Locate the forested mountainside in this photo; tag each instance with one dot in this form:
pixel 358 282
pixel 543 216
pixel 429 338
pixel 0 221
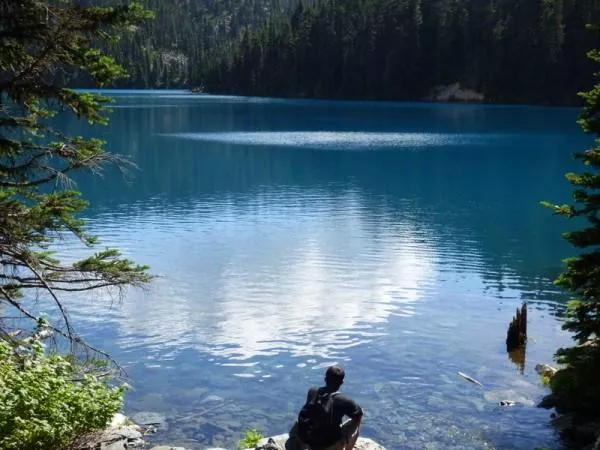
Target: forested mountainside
pixel 170 50
pixel 520 51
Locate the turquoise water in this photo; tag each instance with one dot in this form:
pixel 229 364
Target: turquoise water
pixel 396 239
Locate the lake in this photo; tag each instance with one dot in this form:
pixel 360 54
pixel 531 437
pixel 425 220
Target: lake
pixel 396 239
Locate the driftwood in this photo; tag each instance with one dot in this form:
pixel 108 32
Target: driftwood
pixel 471 379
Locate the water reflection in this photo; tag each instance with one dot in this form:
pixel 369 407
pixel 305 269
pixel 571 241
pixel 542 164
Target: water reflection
pixel 518 356
pixel 312 271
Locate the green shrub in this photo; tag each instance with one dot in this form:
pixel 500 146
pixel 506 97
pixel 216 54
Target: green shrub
pixel 577 385
pixel 251 439
pixel 45 403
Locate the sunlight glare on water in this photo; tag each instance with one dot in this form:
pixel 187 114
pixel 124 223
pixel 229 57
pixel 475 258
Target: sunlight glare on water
pixel 337 140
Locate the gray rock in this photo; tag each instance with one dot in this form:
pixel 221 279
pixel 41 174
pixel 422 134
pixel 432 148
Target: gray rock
pixel 119 420
pixel 110 437
pixel 168 447
pixel 549 401
pixel 212 399
pixel 563 422
pixel 517 395
pixel 115 445
pixel 281 439
pixel 121 438
pixel 151 418
pixel 545 370
pixel 129 433
pixel 136 444
pixel 588 431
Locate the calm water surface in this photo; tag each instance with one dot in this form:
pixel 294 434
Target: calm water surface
pixel 396 239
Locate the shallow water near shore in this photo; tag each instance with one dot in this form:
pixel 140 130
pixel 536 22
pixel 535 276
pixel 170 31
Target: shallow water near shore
pixel 395 239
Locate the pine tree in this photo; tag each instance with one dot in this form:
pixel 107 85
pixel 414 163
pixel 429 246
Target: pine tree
pixel 42 43
pixel 578 384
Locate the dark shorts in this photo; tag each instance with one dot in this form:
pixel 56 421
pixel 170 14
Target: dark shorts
pixel 349 432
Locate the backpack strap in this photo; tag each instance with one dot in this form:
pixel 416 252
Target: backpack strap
pixel 330 400
pixel 318 395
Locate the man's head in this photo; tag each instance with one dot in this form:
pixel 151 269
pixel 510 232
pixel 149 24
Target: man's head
pixel 334 377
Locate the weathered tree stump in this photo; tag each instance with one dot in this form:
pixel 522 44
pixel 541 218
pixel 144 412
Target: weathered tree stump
pixel 516 337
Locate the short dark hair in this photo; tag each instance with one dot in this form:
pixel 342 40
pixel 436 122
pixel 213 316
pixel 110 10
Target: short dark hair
pixel 335 376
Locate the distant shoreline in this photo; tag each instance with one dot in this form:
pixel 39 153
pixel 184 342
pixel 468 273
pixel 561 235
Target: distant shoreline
pixel 425 101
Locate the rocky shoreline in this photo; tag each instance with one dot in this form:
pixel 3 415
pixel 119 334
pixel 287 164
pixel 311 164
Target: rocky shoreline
pixel 583 433
pixel 124 434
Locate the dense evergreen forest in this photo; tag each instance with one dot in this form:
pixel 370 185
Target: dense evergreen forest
pixel 530 51
pixel 510 50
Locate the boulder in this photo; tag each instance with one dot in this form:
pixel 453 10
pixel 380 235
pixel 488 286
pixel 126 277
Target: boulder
pixel 545 370
pixel 549 401
pixel 119 420
pixel 454 92
pixel 151 418
pixel 120 438
pixel 120 434
pixel 563 422
pixel 167 447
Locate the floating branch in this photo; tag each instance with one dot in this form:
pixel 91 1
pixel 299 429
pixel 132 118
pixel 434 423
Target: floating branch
pixel 471 379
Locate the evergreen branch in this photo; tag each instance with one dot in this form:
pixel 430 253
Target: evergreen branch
pixel 92 163
pixel 66 289
pixel 58 303
pixel 73 339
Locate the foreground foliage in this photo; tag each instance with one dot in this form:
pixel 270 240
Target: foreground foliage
pixel 46 400
pixel 251 439
pixel 578 384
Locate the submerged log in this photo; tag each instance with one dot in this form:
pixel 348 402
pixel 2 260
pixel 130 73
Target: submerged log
pixel 516 337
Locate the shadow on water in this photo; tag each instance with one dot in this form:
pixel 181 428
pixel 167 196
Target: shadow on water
pixel 290 235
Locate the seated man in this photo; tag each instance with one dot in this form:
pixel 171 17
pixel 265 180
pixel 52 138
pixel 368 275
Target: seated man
pixel 319 425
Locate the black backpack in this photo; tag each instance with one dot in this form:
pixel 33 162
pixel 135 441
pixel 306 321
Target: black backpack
pixel 315 420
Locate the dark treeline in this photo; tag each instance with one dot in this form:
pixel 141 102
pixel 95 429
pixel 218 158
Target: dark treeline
pixel 511 50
